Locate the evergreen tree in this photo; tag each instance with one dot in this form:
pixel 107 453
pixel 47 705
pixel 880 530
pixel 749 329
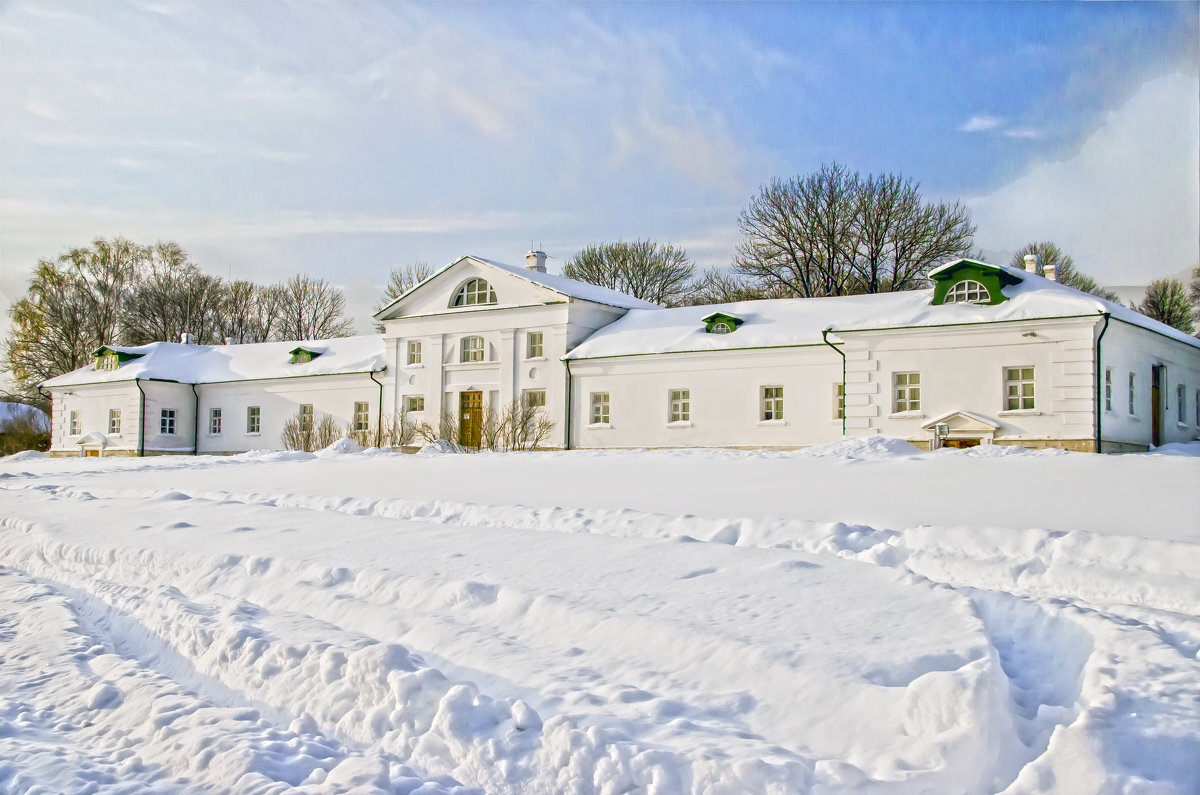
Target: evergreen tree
pixel 1167 302
pixel 1065 271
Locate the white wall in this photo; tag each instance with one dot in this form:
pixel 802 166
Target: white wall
pixel 725 391
pixel 1130 349
pixel 94 402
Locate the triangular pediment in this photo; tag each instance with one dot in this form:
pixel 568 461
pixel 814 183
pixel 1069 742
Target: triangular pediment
pixel 436 294
pixel 963 421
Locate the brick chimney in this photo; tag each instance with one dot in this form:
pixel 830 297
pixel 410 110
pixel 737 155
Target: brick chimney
pixel 536 261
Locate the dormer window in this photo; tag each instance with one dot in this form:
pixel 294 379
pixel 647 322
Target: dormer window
pixel 110 358
pixel 303 355
pixel 473 293
pixel 721 323
pixel 968 291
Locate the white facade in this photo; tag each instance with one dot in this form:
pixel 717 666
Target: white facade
pixel 1019 359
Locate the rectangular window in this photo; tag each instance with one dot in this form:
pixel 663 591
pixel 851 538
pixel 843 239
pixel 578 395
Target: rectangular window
pixel 907 391
pixel 74 423
pixel 114 421
pixel 680 409
pixel 772 403
pixel 472 349
pixel 214 422
pixel 166 422
pixel 414 403
pixel 1132 401
pixel 1198 407
pixel 534 398
pixel 535 345
pixel 1108 389
pixel 414 352
pixel 253 419
pixel 1018 388
pixel 362 416
pixel 600 414
pixel 1181 404
pixel 839 401
pixel 306 418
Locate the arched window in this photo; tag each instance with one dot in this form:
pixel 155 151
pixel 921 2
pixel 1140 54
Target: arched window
pixel 475 291
pixel 472 349
pixel 968 291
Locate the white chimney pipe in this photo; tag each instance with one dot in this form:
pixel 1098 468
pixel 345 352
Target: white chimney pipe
pixel 536 261
pixel 1050 272
pixel 1031 262
pixel 187 338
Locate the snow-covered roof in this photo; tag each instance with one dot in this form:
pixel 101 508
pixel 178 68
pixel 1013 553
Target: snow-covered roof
pixel 800 321
pixel 206 364
pixel 559 284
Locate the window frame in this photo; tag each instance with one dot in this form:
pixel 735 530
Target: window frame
pixel 527 394
pixel 362 415
pixel 114 422
pixel 770 406
pixel 720 327
pixel 1021 381
pixel 906 395
pixel 467 355
pixel 215 421
pixel 1181 408
pixel 956 296
pixel 1132 393
pixel 601 408
pixel 167 422
pixel 306 417
pixel 679 406
pixel 535 345
pixel 468 294
pixel 414 404
pixel 1108 390
pixel 73 423
pixel 414 353
pixel 839 400
pixel 253 420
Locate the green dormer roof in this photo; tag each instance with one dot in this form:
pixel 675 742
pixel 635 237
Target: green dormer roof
pixel 993 277
pixel 711 323
pixel 122 356
pixel 303 355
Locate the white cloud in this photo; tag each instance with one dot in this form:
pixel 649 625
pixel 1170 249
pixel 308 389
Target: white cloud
pixel 1023 132
pixel 980 123
pixel 1127 205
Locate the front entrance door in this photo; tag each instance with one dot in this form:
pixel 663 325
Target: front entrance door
pixel 1156 387
pixel 960 444
pixel 470 418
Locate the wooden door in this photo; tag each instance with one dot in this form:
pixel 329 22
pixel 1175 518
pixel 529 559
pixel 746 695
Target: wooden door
pixel 960 444
pixel 91 453
pixel 470 418
pixel 1156 387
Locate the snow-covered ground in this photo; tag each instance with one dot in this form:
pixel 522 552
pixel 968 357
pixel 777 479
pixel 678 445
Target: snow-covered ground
pixel 860 617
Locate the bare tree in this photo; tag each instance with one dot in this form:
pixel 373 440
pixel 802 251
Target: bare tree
pixel 400 281
pixel 1167 302
pixel 716 286
pixel 1065 270
pixel 655 272
pixel 835 233
pixel 247 311
pixel 173 296
pixel 25 428
pixel 1194 296
pixel 310 309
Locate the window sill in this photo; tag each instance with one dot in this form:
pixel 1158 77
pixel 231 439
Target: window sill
pixel 1134 418
pixel 413 366
pixel 772 423
pixel 468 365
pixel 256 433
pixel 1182 425
pixel 907 415
pixel 535 358
pixel 680 424
pixel 1018 413
pixel 599 426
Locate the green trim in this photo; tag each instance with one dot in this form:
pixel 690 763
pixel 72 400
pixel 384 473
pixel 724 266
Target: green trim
pixel 714 350
pixel 304 355
pixel 202 383
pixel 711 321
pixel 991 277
pixel 478 308
pixel 1096 315
pixel 123 356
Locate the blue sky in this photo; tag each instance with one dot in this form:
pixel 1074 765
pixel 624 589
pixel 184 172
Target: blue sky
pixel 343 139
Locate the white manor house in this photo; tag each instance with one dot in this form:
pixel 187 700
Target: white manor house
pixel 989 355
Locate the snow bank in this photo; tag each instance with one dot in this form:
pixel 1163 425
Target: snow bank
pixel 1174 448
pixel 23 456
pixel 866 447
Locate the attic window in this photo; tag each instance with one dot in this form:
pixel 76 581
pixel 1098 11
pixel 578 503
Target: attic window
pixel 474 292
pixel 303 355
pixel 720 323
pixel 968 291
pixel 108 361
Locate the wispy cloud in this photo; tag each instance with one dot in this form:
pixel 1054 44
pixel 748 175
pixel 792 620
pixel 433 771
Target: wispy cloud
pixel 980 123
pixel 1023 132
